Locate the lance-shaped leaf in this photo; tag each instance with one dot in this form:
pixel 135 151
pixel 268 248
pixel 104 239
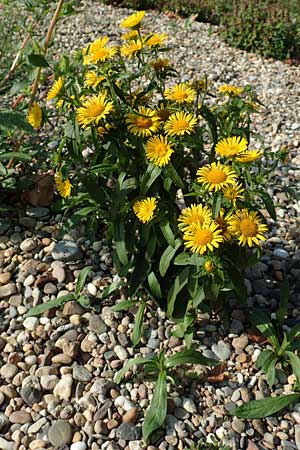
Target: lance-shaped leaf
pixel 40 309
pixel 167 257
pixel 179 283
pixel 157 411
pixel 124 305
pixel 127 366
pixel 82 279
pixel 37 60
pixel 154 285
pixel 258 409
pixel 149 177
pixel 168 233
pixel 119 238
pixel 138 325
pixel 190 356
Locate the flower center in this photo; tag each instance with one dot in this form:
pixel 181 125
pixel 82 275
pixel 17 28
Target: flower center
pixel 232 149
pixel 161 149
pixel 209 266
pixel 216 176
pixel 180 125
pixel 100 53
pixel 95 110
pixel 180 95
pixel 248 228
pixel 143 122
pixel 203 237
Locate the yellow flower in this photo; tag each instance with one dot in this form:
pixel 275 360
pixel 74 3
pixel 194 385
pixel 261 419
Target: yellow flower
pixel 232 193
pixel 93 110
pixel 160 64
pixel 132 34
pixel 159 150
pixel 144 209
pixel 132 48
pixel 231 146
pixel 133 21
pixel 216 176
pixel 180 123
pixel 34 116
pixel 56 88
pixel 63 186
pixel 96 45
pixel 92 79
pixel 181 93
pixel 103 130
pixel 194 214
pixel 102 54
pixel 223 222
pixel 230 90
pixel 246 226
pixel 249 156
pixel 155 40
pixel 144 122
pixel 209 266
pixel 201 238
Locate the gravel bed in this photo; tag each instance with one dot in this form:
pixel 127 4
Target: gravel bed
pixel 57 388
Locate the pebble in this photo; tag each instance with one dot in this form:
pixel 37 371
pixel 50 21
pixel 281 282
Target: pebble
pixel 80 373
pixel 96 324
pixel 8 371
pixel 20 417
pixel 124 403
pixel 5 277
pixel 7 289
pixel 128 432
pixel 189 405
pixel 78 446
pixel 31 323
pixel 28 245
pixel 5 444
pixel 121 352
pixel 130 416
pixel 60 433
pixel 281 253
pixel 63 389
pixel 66 251
pixel 221 350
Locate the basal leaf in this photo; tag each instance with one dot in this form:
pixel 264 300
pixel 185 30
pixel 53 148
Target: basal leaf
pixel 119 238
pixel 258 409
pixel 40 309
pixel 190 356
pixel 167 257
pixel 154 285
pixel 157 411
pixel 168 233
pixel 132 362
pixel 82 279
pixel 37 60
pixel 124 305
pixel 138 325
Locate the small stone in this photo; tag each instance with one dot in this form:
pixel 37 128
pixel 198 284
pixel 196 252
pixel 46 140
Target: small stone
pixel 6 445
pixel 240 343
pixel 7 289
pixel 5 277
pixel 59 273
pixel 48 382
pixel 8 371
pixel 189 405
pixel 60 433
pixel 31 323
pixel 124 403
pixel 31 395
pixel 281 253
pixel 29 280
pixel 37 212
pixel 80 373
pixel 96 324
pixel 28 245
pixel 112 423
pixel 130 416
pixel 221 350
pixel 62 358
pixel 37 444
pixel 121 352
pixel 73 307
pixel 20 417
pixel 66 251
pixel 128 432
pixel 238 425
pixel 3 421
pixel 63 389
pixel 92 289
pixel 50 289
pixel 78 446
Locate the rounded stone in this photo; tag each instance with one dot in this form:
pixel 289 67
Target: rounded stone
pixel 31 323
pixel 66 251
pixel 28 245
pixel 78 446
pixel 60 433
pixel 8 371
pixel 20 417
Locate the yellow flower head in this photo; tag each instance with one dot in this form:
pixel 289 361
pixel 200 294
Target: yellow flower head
pixel 92 79
pixel 223 222
pixel 246 226
pixel 159 150
pixel 155 40
pixel 249 156
pixel 181 93
pixel 160 64
pixel 133 21
pixel 93 110
pixel 132 34
pixel 227 89
pixel 56 88
pixel 131 48
pixel 34 116
pixel 201 238
pixel 100 55
pixel 216 176
pixel 231 146
pixel 144 209
pixel 234 192
pixel 144 122
pixel 180 123
pixel 209 266
pixel 63 186
pixel 194 214
pixel 96 45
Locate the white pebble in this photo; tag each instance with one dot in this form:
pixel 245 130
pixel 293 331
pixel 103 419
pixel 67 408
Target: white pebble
pixel 78 446
pixel 31 323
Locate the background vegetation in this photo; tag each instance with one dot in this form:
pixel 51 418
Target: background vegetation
pixel 268 27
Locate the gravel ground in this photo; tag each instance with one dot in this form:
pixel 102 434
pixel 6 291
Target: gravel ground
pixel 57 371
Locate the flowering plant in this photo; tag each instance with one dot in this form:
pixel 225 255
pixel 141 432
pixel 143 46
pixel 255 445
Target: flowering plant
pixel 170 168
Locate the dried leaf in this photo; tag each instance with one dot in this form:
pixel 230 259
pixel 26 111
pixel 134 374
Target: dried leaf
pixel 217 374
pixel 256 337
pixel 42 194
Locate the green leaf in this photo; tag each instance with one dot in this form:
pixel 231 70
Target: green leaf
pixel 149 177
pixel 199 297
pixel 139 274
pixel 157 411
pixel 258 409
pixel 132 362
pixel 154 285
pixel 262 361
pixel 237 280
pixel 268 203
pixel 283 304
pixel 10 120
pixel 271 371
pixel 168 233
pixel 124 305
pixel 295 363
pixel 264 325
pixel 84 301
pixel 216 206
pixel 179 283
pixel 81 280
pixel 190 356
pixel 37 60
pixel 183 259
pixel 167 257
pixel 40 309
pixel 171 172
pixel 119 238
pixel 19 156
pixel 138 325
pixel 108 290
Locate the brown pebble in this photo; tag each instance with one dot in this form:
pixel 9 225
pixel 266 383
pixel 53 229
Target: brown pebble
pixel 130 416
pixel 61 358
pixel 112 423
pixel 5 277
pixel 20 417
pixel 242 358
pixel 46 241
pixel 114 393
